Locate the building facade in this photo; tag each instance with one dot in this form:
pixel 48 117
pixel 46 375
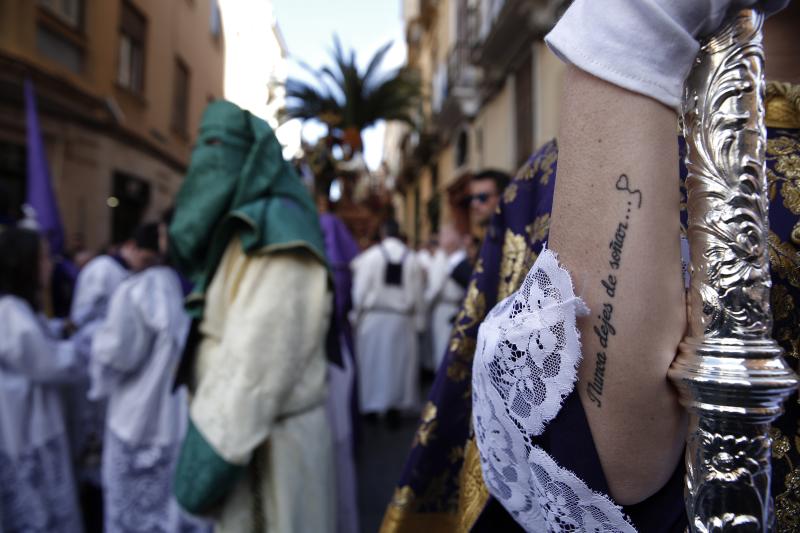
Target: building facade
pixel 492 92
pixel 256 66
pixel 121 86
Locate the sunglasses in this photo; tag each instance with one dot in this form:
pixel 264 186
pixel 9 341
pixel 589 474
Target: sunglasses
pixel 481 197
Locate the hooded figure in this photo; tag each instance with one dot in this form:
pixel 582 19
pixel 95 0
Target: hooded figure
pixel 257 454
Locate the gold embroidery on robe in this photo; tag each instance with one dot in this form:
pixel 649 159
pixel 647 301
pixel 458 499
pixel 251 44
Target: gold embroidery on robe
pixel 510 194
pixel 462 346
pixel 782 105
pixel 473 494
pixel 538 229
pixel 783 174
pixel 400 516
pixel 546 164
pixel 516 256
pixel 787 509
pixel 427 428
pixel 782 302
pixel 541 166
pixel 784 259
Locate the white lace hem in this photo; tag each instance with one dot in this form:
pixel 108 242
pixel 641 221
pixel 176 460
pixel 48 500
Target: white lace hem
pixel 525 365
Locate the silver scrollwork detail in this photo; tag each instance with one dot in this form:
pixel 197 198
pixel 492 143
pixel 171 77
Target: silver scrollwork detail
pixel 730 373
pixel 726 139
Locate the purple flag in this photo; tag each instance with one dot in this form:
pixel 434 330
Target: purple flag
pixel 39 186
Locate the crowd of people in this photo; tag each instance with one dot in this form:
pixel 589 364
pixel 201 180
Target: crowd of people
pixel 209 370
pixel 405 303
pixel 206 366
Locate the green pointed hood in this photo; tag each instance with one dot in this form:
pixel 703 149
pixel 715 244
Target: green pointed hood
pixel 238 183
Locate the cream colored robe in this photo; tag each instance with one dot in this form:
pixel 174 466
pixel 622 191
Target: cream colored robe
pixel 260 395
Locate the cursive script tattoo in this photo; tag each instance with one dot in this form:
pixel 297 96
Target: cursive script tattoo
pixel 604 327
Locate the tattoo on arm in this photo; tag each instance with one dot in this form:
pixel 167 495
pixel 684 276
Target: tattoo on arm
pixel 604 325
pixel 623 184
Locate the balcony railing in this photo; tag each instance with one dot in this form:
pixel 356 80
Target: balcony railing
pixel 459 86
pixel 506 28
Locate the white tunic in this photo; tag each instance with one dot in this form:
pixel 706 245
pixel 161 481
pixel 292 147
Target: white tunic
pixel 443 295
pixel 37 486
pixel 260 397
pixel 96 283
pixel 135 354
pixel 387 320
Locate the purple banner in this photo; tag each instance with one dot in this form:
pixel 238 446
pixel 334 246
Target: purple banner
pixel 40 194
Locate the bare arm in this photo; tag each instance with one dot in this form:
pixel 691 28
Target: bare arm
pixel 615 226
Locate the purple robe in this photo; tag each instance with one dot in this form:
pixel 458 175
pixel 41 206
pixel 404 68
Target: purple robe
pixel 341 248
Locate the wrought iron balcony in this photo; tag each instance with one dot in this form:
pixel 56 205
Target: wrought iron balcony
pixel 505 29
pixel 461 90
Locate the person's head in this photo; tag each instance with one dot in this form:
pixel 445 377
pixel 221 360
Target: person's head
pixel 390 228
pixel 485 189
pixel 25 265
pixel 142 250
pixel 82 257
pixel 450 239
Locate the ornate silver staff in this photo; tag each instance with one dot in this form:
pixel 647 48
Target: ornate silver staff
pixel 730 373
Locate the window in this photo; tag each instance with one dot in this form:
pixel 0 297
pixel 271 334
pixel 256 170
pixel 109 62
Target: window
pixel 59 35
pixel 129 202
pixel 70 12
pixel 180 98
pixel 55 46
pixel 12 180
pixel 132 33
pixel 462 149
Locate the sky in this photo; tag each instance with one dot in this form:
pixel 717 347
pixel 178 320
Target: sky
pixel 308 27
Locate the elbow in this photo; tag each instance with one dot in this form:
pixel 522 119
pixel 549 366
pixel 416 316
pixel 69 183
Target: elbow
pixel 640 472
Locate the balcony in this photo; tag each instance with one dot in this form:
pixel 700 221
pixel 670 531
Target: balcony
pixel 506 29
pixel 460 87
pixel 418 149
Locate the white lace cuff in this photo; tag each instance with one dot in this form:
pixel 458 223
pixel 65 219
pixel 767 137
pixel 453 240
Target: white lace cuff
pixel 525 364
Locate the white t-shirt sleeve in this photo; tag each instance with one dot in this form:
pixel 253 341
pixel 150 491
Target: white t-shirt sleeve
pixel 645 46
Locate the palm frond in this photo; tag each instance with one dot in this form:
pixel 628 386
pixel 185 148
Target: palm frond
pixel 347 98
pixel 375 62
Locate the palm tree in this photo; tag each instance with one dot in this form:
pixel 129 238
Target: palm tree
pixel 348 100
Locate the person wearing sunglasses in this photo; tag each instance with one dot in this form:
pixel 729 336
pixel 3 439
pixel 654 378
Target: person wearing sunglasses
pixel 485 189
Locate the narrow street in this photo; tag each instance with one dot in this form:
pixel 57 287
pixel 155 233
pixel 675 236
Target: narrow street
pixel 381 458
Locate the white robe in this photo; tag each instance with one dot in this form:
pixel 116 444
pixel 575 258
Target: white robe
pixel 341 381
pixel 135 354
pixel 37 485
pixel 444 297
pixel 96 284
pixel 388 319
pixel 260 397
